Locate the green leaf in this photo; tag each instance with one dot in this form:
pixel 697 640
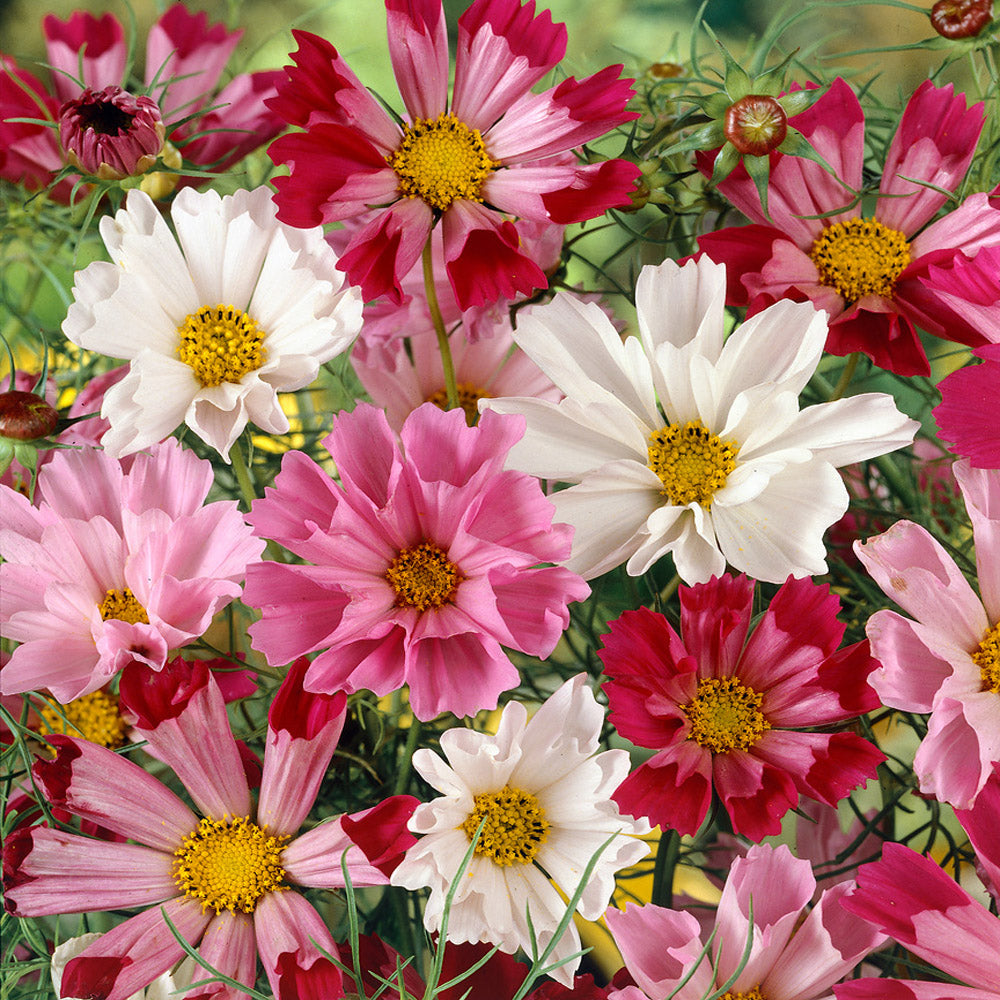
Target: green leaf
pixel 707 137
pixel 759 169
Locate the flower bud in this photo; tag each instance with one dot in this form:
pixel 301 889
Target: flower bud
pixel 756 124
pixel 25 416
pixel 961 18
pixel 110 133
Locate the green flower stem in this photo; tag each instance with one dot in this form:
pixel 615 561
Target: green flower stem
pixel 444 347
pixel 664 867
pixel 242 473
pixel 845 377
pixel 405 765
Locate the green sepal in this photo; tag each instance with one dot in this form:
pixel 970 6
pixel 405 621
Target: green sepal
pixel 6 454
pixel 737 81
pixel 797 101
pixel 725 163
pixel 759 169
pixel 771 81
pixel 716 105
pixel 707 137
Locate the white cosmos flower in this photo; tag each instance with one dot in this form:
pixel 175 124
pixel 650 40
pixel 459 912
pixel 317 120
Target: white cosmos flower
pixel 681 442
pixel 546 796
pixel 216 322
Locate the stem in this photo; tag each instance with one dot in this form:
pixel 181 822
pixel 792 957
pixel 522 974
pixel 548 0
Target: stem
pixel 242 473
pixel 845 377
pixel 403 777
pixel 442 336
pixel 663 869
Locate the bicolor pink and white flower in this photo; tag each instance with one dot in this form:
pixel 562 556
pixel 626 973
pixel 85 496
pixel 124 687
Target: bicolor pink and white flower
pixel 215 322
pixel 426 560
pixel 965 414
pixel 543 794
pixel 114 566
pixel 678 442
pixel 470 163
pixel 791 953
pixel 945 660
pixel 734 711
pixel 226 881
pixel 879 278
pixel 185 59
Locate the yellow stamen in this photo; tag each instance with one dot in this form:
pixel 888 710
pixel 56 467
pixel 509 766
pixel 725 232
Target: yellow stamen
pixel 122 605
pixel 515 828
pixel 725 715
pixel 754 994
pixel 423 577
pixel 221 344
pixel 229 864
pixel 441 160
pixel 93 716
pixel 860 257
pixel 692 463
pixel 468 398
pixel 987 658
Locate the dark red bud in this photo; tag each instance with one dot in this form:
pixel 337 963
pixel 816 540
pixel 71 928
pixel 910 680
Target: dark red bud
pixel 25 416
pixel 756 124
pixel 961 18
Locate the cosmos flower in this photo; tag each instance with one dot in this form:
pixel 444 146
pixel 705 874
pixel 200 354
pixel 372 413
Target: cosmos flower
pixel 881 277
pixel 965 414
pixel 946 662
pixel 215 322
pixel 544 792
pixel 224 880
pixel 679 443
pixel 114 566
pixel 734 711
pixel 426 560
pixel 795 954
pixel 470 163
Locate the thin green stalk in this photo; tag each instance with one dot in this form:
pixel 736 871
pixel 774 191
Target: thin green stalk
pixel 242 472
pixel 405 766
pixel 450 385
pixel 664 867
pixel 845 377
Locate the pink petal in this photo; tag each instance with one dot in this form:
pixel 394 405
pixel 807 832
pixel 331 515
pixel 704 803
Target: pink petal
pixel 981 490
pixel 973 226
pixel 230 946
pixel 418 47
pixel 715 618
pixel 755 794
pixel 981 823
pixel 963 413
pixel 744 250
pixel 84 47
pixel 672 789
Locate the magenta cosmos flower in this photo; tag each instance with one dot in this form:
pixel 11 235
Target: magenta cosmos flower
pixel 225 879
pixel 966 414
pixel 426 561
pixel 795 954
pixel 732 711
pixel 879 277
pixel 947 661
pixel 117 564
pixel 469 164
pixel 185 58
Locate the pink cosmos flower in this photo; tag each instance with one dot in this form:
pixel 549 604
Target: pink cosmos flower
pixel 118 564
pixel 224 880
pixel 788 959
pixel 425 561
pixel 966 414
pixel 947 661
pixel 469 163
pixel 185 58
pixel 732 711
pixel 878 278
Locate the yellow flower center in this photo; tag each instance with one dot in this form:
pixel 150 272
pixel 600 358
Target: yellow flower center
pixel 987 658
pixel 468 398
pixel 122 605
pixel 725 715
pixel 221 344
pixel 95 717
pixel 860 257
pixel 515 826
pixel 692 463
pixel 229 864
pixel 423 577
pixel 754 994
pixel 440 160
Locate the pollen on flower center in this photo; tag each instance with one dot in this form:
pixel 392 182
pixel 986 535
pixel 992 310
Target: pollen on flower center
pixel 93 716
pixel 987 658
pixel 440 160
pixel 122 605
pixel 468 398
pixel 860 257
pixel 423 577
pixel 692 463
pixel 725 715
pixel 754 994
pixel 515 827
pixel 229 864
pixel 221 344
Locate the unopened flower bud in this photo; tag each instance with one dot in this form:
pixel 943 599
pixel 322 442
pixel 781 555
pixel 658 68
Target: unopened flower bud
pixel 665 70
pixel 25 416
pixel 111 133
pixel 961 18
pixel 756 124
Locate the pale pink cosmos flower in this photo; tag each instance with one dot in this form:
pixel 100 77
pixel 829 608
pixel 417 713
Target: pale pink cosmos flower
pixel 426 560
pixel 734 710
pixel 117 564
pixel 470 164
pixel 946 662
pixel 790 958
pixel 225 880
pixel 878 278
